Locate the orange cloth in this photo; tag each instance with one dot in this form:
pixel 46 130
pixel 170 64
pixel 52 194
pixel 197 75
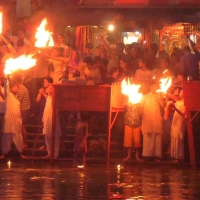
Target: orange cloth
pixel 132 136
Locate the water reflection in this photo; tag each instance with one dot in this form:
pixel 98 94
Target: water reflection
pixel 40 181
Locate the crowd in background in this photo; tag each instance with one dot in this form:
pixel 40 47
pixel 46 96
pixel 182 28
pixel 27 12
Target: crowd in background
pixel 106 64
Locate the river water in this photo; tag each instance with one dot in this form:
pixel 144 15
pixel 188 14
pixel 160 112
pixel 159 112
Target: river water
pixel 19 180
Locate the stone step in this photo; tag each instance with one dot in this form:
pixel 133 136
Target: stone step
pixel 68 153
pixel 34 136
pixel 36 139
pixel 43 152
pixel 66 136
pixel 33 128
pixel 38 143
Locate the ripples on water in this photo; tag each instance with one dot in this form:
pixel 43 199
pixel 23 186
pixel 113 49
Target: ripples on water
pixel 40 181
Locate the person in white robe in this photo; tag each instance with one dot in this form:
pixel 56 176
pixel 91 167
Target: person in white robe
pixel 152 123
pixel 47 125
pixel 12 130
pixel 178 129
pixel 59 67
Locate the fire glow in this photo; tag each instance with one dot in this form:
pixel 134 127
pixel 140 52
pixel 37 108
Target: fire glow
pixel 22 62
pixel 131 90
pixel 165 83
pixel 43 37
pixel 1 22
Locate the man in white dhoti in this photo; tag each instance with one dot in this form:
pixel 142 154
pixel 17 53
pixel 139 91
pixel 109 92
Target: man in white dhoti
pixel 47 125
pixel 178 130
pixel 152 123
pixel 12 130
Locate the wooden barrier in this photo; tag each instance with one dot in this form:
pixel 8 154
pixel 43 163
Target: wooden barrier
pixel 191 95
pixel 81 98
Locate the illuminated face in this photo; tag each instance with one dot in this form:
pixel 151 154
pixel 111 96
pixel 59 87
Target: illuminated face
pixel 99 64
pixel 134 53
pixel 122 64
pixel 66 52
pixel 181 94
pixel 180 79
pixel 55 52
pixel 60 39
pixel 49 90
pixel 141 64
pixel 46 83
pixel 15 89
pixel 74 55
pixel 88 51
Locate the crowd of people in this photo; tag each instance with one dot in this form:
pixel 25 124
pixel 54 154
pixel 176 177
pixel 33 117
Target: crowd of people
pixel 156 116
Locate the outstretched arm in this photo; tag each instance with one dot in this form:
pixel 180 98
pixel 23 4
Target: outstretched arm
pixel 110 51
pixel 9 46
pixel 194 48
pixel 61 59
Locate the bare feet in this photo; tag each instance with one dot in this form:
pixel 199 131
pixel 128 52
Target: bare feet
pixel 42 147
pixel 24 157
pixel 47 156
pixel 127 159
pixel 2 156
pixel 139 159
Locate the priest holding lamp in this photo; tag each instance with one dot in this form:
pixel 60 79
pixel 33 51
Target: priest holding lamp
pixel 12 131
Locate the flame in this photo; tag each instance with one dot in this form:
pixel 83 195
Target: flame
pixel 80 166
pixel 22 62
pixel 42 36
pixel 165 71
pixel 165 83
pixel 131 90
pixel 1 22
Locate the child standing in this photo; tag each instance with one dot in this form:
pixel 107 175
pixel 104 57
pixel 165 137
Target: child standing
pixel 152 123
pixel 178 130
pixel 143 75
pixel 80 146
pixel 47 125
pixel 132 131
